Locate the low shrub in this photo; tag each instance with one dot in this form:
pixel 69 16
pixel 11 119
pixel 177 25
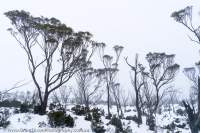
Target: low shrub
pixel 56 107
pixel 180 112
pixel 96 114
pixel 97 125
pixel 177 123
pixel 117 123
pixel 183 125
pixel 56 119
pixel 37 109
pixel 16 111
pixel 88 117
pixel 69 121
pixel 24 108
pixel 170 127
pixel 4 115
pixel 52 106
pixel 127 110
pixel 80 110
pixel 133 118
pixel 59 119
pixel 109 116
pixel 12 103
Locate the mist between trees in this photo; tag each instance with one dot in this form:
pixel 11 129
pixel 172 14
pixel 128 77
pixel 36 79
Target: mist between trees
pixel 56 54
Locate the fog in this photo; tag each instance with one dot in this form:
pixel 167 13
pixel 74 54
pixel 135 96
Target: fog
pixel 140 26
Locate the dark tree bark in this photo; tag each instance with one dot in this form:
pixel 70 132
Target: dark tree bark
pixel 137 82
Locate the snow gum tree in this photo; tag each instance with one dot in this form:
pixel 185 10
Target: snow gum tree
pixel 161 73
pixel 110 70
pixel 54 51
pixel 185 18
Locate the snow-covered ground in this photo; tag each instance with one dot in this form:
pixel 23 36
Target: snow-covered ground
pixel 31 123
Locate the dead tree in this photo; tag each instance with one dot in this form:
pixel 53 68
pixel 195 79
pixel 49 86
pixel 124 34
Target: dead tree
pixel 54 51
pixel 137 82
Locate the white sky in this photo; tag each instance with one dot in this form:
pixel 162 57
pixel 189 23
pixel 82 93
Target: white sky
pixel 140 26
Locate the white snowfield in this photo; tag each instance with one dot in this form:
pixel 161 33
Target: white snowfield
pixel 33 123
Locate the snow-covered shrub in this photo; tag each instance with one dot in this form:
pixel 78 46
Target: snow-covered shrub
pixel 128 110
pixel 56 107
pixel 4 115
pixel 16 111
pixel 180 123
pixel 97 125
pixel 52 106
pixel 24 108
pixel 108 116
pixel 80 110
pixel 117 123
pixel 96 114
pixel 133 118
pixel 183 125
pixel 10 103
pixel 69 121
pixel 180 112
pixel 59 118
pixel 56 119
pixel 170 126
pixel 88 117
pixel 176 123
pixel 37 109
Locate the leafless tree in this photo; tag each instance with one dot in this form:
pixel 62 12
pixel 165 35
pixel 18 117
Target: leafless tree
pixel 137 82
pixel 63 51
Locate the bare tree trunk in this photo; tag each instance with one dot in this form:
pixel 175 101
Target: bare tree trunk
pixel 198 95
pixel 139 112
pixel 44 104
pixel 108 101
pixel 192 118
